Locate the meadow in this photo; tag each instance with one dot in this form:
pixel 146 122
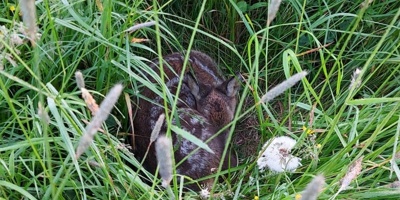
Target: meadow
pixel 344 115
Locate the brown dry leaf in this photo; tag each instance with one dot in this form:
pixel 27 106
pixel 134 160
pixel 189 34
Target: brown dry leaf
pixel 312 115
pixel 318 130
pixel 89 100
pixel 87 97
pixel 99 5
pixel 139 40
pixel 130 114
pixel 314 50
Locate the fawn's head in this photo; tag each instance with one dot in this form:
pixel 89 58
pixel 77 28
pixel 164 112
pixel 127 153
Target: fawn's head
pixel 217 104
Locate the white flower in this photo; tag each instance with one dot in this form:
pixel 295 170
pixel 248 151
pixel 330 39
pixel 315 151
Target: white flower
pixel 204 194
pixel 277 155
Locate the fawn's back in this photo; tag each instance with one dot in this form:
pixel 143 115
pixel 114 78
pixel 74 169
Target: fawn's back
pixel 207 103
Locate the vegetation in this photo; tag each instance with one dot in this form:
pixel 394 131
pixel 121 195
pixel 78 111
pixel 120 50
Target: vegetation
pixel 343 120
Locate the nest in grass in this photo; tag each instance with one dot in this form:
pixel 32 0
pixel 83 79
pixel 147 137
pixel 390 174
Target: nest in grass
pixel 247 137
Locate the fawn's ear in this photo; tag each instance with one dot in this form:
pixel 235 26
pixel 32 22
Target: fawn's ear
pixel 193 85
pixel 232 85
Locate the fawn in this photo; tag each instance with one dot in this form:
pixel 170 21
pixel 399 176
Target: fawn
pixel 206 104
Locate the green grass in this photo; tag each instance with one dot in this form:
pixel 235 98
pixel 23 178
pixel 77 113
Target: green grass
pixel 37 157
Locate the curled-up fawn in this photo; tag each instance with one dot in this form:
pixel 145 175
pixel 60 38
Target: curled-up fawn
pixel 206 104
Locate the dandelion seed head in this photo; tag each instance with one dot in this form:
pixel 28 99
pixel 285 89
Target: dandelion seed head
pixel 282 142
pixel 204 193
pixel 291 163
pixel 277 155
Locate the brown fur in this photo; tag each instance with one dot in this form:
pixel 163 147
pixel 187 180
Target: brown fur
pixel 207 104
